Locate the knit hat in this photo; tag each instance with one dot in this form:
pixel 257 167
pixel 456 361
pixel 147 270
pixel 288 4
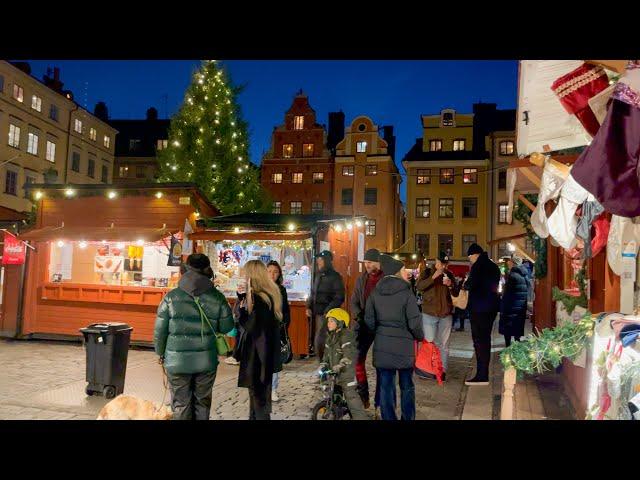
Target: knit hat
pixel 325 254
pixel 372 255
pixel 389 265
pixel 474 248
pixel 443 257
pixel 516 259
pixel 198 261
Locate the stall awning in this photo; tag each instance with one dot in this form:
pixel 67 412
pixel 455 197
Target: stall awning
pixel 217 235
pixel 122 234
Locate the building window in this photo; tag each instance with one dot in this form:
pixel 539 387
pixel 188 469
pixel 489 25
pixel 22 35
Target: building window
pixel 370 228
pixel 93 134
pixel 77 125
pixel 32 144
pixel 423 208
pixel 107 141
pixel 276 178
pixel 318 177
pixel 317 208
pixel 29 180
pixel 14 136
pixel 435 145
pixel 502 180
pixel 298 122
pixel 422 244
pixel 141 171
pixel 424 176
pixel 502 212
pixel 470 175
pixel 507 148
pixel 296 207
pixel 91 168
pixel 18 93
pixel 458 145
pixel 53 112
pixel 51 151
pixel 162 143
pixel 467 241
pixel 446 175
pixel 75 161
pixel 134 144
pixel 371 170
pixel 370 196
pixel 105 174
pixel 447 119
pixel 470 207
pixel 276 207
pixel 347 196
pixel 445 244
pixel 287 150
pixel 307 150
pixel 1 83
pixel 36 103
pixel 11 182
pixel 503 249
pixel 361 147
pixel 446 208
pixel 123 171
pixel 296 177
pixel 348 170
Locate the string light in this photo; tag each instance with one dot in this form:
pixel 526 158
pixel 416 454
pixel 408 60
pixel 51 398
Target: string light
pixel 174 168
pixel 69 192
pixel 338 228
pixel 60 243
pixel 349 226
pixel 358 223
pixel 158 194
pixel 291 227
pixel 140 242
pixel 83 244
pixel 218 141
pixel 38 195
pixel 176 143
pixel 112 195
pixel 236 229
pixel 414 256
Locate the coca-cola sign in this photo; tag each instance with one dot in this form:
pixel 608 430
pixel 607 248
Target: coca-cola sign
pixel 14 250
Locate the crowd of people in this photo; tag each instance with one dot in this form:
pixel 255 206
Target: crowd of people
pixel 391 311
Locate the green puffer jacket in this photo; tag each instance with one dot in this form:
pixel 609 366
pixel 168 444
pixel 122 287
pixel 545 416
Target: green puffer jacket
pixel 180 336
pixel 340 355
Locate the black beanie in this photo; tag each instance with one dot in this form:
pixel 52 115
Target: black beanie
pixel 198 261
pixel 474 248
pixel 372 255
pixel 389 265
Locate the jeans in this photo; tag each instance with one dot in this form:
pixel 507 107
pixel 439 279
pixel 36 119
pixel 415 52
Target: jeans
pixel 438 331
pixel 191 395
pixel 481 327
pixel 387 379
pixel 275 381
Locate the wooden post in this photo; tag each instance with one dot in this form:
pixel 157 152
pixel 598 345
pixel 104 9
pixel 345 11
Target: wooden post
pixel 507 409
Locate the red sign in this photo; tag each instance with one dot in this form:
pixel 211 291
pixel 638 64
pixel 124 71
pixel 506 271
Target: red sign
pixel 14 250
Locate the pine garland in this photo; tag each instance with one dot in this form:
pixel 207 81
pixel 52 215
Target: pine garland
pixel 570 302
pixel 522 213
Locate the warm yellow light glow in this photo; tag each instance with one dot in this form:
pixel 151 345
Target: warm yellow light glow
pixel 140 242
pixel 397 257
pixel 112 195
pixel 414 256
pixel 349 226
pixel 291 227
pixel 236 229
pixel 38 195
pixel 158 194
pixel 358 223
pixel 83 244
pixel 338 228
pixel 60 243
pixel 69 192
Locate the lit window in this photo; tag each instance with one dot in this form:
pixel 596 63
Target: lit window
pixel 361 147
pixel 53 112
pixel 470 175
pixel 507 148
pixel 347 196
pixel 423 207
pixel 317 208
pixel 424 176
pixel 458 145
pixel 446 175
pixel 77 126
pixel 502 180
pixel 370 228
pixel 123 171
pixel 276 178
pixel 502 212
pixel 446 208
pixel 51 151
pixel 296 208
pixel 105 174
pixel 447 119
pixel 287 150
pixel 318 177
pixel 11 182
pixel 372 170
pixel 18 93
pixel 296 177
pixel 277 206
pixel 36 103
pixel 75 161
pixel 162 144
pixel 107 141
pixel 93 134
pixel 435 145
pixel 445 244
pixel 307 150
pixel 422 244
pixel 298 122
pixel 348 170
pixel 91 168
pixel 470 208
pixel 14 136
pixel 32 144
pixel 370 196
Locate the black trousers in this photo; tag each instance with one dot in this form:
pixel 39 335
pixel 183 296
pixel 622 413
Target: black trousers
pixel 320 338
pixel 260 402
pixel 481 327
pixel 191 395
pixel 507 339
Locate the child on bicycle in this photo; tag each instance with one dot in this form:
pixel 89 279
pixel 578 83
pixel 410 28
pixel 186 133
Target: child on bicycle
pixel 339 356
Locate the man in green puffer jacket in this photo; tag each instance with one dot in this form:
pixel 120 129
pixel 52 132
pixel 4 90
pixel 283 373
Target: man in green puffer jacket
pixel 185 341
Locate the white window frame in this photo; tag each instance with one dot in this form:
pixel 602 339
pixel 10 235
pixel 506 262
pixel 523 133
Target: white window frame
pixel 295 176
pixel 51 151
pixel 93 134
pixel 276 206
pixel 36 103
pixel 32 143
pixel 276 177
pixel 18 93
pixel 502 208
pixel 457 143
pixel 298 122
pixel 506 143
pixel 107 141
pixel 435 142
pixel 361 147
pixel 370 228
pixel 77 125
pixel 162 143
pixel 291 207
pixel 14 136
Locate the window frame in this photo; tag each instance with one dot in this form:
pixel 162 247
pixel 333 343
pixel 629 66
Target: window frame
pixel 104 174
pixel 440 249
pixel 424 179
pixel 276 205
pixel 125 169
pixel 451 177
pixel 144 171
pixel 50 150
pixel 359 146
pixel 500 211
pixel 33 139
pixel 14 138
pixel 93 134
pixel 53 112
pixel 295 175
pixel 298 122
pixel 75 155
pixel 342 196
pixel 473 173
pixel 456 143
pixel 286 146
pixel 107 141
pixel 445 122
pixel 371 168
pixel 162 143
pixel 502 184
pixel 441 206
pixel 421 203
pixel 466 244
pixel 13 174
pixel 507 143
pixel 306 152
pixel 91 167
pixel 315 178
pixel 348 168
pixel 291 207
pixel 315 210
pixel 425 252
pixel 369 193
pixel 276 176
pixel 77 123
pixel 431 143
pixel 18 93
pixel 475 199
pixel 370 227
pixel 38 101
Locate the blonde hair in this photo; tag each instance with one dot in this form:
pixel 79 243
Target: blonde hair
pixel 263 286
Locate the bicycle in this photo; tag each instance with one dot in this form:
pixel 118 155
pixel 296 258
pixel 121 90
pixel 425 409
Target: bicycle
pixel 334 405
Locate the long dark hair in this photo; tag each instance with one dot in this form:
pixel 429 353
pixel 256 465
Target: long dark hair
pixel 279 280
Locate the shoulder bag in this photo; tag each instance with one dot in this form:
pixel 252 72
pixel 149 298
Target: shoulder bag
pixel 221 342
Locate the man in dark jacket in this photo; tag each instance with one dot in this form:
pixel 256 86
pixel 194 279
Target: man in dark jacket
pixel 392 312
pixel 364 337
pixel 327 293
pixel 513 307
pixel 482 286
pixel 186 341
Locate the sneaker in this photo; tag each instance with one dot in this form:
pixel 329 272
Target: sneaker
pixel 231 361
pixel 274 396
pixel 476 381
pixel 366 403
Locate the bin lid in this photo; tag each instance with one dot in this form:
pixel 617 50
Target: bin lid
pixel 108 327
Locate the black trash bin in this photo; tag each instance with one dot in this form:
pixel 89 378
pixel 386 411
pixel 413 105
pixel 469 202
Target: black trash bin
pixel 107 347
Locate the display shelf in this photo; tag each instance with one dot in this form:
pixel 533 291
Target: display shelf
pixel 75 292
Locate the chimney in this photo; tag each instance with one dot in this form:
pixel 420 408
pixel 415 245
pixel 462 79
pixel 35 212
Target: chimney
pixel 54 82
pixel 152 114
pixel 390 138
pixel 336 130
pixel 101 111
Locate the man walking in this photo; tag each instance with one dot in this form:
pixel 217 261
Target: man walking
pixel 364 336
pixel 482 286
pixel 327 293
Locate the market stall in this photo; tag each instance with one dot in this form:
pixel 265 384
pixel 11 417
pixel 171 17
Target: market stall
pixel 101 254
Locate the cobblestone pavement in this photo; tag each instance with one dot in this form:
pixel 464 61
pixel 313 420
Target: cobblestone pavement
pixel 45 380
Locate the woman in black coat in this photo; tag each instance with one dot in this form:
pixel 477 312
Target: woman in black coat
pixel 513 307
pixel 260 317
pixel 275 272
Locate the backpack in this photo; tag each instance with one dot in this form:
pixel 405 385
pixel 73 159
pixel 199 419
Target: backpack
pixel 428 361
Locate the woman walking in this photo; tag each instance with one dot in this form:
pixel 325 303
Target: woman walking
pixel 392 312
pixel 260 317
pixel 513 307
pixel 184 337
pixel 275 272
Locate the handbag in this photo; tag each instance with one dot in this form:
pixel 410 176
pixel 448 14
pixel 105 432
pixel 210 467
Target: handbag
pixel 461 300
pixel 222 346
pixel 286 353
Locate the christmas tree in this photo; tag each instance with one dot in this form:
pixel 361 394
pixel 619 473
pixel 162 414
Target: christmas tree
pixel 209 146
